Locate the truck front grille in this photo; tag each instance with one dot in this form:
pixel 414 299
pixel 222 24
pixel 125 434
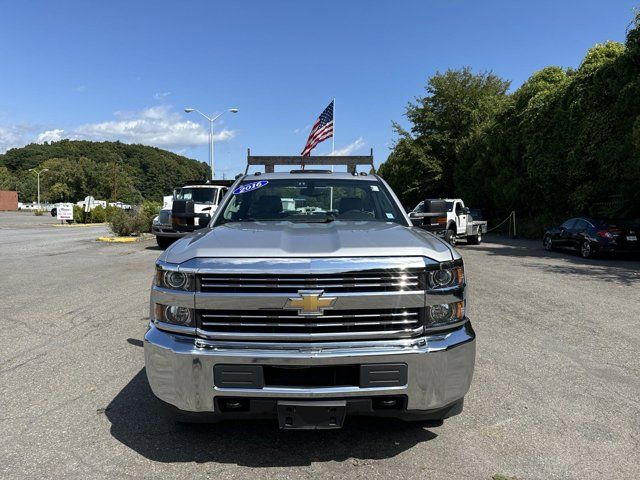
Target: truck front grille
pixel 164 217
pixel 278 325
pixel 369 281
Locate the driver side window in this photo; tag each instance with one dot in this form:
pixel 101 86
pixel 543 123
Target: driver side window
pixel 569 223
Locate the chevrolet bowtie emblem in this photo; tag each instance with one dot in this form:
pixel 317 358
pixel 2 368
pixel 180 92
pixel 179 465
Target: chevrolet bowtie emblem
pixel 310 302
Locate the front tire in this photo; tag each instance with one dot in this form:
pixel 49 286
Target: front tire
pixel 586 251
pixel 547 243
pixel 164 242
pixel 450 237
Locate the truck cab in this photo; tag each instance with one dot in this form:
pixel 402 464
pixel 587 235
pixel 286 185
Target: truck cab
pixel 460 223
pixel 190 208
pixel 457 215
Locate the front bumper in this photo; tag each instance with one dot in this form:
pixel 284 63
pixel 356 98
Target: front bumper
pixel 440 366
pixel 166 231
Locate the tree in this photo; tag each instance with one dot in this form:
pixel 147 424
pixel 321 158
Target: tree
pixel 565 143
pixel 457 103
pixel 410 170
pixel 86 168
pixel 7 181
pixel 59 192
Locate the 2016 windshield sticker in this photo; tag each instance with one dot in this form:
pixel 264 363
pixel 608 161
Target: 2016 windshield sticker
pixel 250 187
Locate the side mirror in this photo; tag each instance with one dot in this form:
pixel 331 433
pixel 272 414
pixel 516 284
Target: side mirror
pixel 465 210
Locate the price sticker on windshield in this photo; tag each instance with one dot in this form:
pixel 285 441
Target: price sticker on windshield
pixel 250 187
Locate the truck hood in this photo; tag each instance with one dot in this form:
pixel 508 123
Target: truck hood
pixel 286 239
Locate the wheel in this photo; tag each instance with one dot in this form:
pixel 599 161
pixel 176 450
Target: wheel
pixel 164 242
pixel 547 243
pixel 475 239
pixel 585 249
pixel 450 237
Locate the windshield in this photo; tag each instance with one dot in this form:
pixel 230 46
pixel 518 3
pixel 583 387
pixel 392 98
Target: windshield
pixel 198 195
pixel 310 200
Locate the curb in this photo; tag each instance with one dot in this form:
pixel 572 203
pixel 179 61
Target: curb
pixel 119 239
pixel 79 225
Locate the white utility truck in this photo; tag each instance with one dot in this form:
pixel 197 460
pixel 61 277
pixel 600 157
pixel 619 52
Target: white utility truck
pixel 190 209
pixel 448 217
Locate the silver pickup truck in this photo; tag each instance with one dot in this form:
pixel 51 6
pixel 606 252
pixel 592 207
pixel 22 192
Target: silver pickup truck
pixel 310 297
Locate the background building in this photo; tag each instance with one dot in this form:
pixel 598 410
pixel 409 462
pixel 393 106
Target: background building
pixel 8 200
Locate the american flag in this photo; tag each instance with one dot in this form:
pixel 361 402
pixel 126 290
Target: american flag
pixel 322 129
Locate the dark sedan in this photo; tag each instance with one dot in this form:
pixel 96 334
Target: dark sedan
pixel 590 237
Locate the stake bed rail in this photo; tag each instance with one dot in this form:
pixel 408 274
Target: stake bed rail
pixel 269 162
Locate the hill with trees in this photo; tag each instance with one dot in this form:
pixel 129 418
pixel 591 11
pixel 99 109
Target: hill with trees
pixel 566 142
pixel 77 168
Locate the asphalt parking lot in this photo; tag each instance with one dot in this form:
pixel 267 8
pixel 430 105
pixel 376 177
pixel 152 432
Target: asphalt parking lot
pixel 555 393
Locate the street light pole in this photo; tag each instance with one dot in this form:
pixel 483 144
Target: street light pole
pixel 38 175
pixel 211 121
pixel 211 160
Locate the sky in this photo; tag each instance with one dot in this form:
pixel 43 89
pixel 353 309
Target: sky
pixel 125 70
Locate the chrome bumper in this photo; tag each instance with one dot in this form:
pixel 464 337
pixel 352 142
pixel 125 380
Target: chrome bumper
pixel 180 368
pixel 166 231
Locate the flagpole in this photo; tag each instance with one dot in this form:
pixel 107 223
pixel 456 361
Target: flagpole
pixel 333 136
pixel 333 148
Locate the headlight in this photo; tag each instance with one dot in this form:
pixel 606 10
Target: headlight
pixel 446 277
pixel 445 313
pixel 156 220
pixel 174 280
pixel 175 315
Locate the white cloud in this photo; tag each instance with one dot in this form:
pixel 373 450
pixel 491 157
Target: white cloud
pixel 306 128
pixel 81 88
pixel 161 95
pixel 50 136
pixel 157 126
pixel 351 148
pixel 14 136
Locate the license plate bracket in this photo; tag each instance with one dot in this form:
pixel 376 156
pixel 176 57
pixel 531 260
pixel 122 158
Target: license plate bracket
pixel 311 415
pixel 632 238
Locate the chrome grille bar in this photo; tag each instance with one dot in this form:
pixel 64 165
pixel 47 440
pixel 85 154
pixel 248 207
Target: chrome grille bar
pixel 314 325
pixel 253 314
pixel 310 337
pixel 366 281
pixel 286 326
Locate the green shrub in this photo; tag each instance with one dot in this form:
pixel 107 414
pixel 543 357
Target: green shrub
pixel 133 222
pixel 98 215
pixel 109 211
pixel 122 223
pixel 146 214
pixel 78 214
pixel 38 213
